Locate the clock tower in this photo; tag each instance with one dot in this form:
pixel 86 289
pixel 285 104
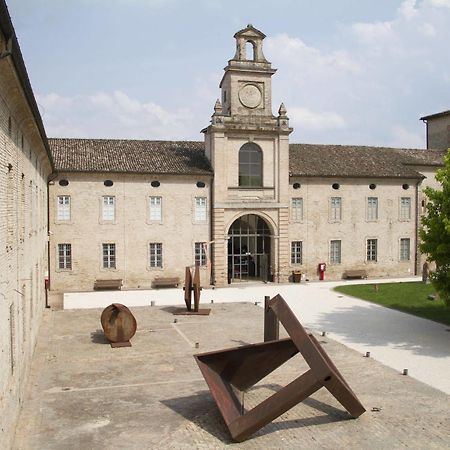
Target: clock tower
pixel 249 151
pixel 246 84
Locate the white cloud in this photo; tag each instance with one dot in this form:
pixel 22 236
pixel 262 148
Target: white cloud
pixel 427 30
pixel 325 120
pixel 408 9
pixel 114 114
pixel 402 137
pixel 295 51
pixel 373 32
pixel 440 3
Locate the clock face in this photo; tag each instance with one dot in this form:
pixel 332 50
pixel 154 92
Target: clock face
pixel 250 96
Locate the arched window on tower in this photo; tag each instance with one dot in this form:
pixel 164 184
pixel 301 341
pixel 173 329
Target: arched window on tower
pixel 250 165
pixel 250 51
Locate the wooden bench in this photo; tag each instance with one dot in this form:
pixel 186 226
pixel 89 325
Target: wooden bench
pixel 357 273
pixel 107 284
pixel 166 282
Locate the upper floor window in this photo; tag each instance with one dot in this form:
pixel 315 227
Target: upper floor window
pixel 200 253
pixel 63 208
pixel 372 208
pixel 297 209
pixel 155 209
pixel 200 209
pixel 109 208
pixel 405 208
pixel 250 165
pixel 335 209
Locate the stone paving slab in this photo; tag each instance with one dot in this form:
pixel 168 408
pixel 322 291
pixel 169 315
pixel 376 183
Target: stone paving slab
pixel 85 395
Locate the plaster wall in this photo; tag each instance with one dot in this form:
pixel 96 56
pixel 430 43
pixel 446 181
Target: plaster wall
pixel 131 231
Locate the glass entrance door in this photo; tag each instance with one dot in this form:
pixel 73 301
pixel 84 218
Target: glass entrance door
pixel 248 249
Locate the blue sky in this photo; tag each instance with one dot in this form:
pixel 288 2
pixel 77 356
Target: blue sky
pixel 349 71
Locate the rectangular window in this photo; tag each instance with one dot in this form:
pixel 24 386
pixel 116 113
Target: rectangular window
pixel 65 256
pixel 155 254
pixel 200 209
pixel 372 208
pixel 335 209
pixel 405 208
pixel 155 209
pixel 405 246
pixel 200 253
pixel 109 256
pixel 335 252
pixel 109 208
pixel 372 249
pixel 297 209
pixel 296 252
pixel 63 212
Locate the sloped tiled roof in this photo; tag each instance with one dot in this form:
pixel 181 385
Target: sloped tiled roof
pixel 114 155
pixel 424 157
pixel 188 157
pixel 356 161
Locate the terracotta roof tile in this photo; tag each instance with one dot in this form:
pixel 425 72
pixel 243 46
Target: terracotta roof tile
pixel 357 161
pixel 188 157
pixel 114 155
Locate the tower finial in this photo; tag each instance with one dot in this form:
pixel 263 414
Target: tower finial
pixel 282 111
pixel 217 108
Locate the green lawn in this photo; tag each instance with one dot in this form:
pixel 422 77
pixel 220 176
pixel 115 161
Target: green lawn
pixel 411 298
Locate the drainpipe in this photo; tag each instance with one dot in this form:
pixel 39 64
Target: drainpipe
pixel 50 178
pixel 212 248
pixel 416 229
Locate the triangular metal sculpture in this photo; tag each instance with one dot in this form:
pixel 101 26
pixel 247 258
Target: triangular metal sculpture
pixel 242 367
pixel 192 285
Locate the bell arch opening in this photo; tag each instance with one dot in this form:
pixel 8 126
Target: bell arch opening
pixel 249 249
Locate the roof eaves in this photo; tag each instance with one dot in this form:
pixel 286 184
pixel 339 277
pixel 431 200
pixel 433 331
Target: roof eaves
pixel 7 29
pixel 439 114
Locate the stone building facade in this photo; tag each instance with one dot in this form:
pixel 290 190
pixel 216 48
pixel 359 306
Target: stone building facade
pixel 245 204
pixel 438 130
pixel 25 164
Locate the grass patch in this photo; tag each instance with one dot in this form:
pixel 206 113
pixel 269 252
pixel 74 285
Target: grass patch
pixel 411 297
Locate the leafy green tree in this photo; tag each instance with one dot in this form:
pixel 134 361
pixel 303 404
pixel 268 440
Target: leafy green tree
pixel 435 231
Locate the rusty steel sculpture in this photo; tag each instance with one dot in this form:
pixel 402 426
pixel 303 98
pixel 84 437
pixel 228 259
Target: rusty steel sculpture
pixel 239 368
pixel 119 325
pixel 192 285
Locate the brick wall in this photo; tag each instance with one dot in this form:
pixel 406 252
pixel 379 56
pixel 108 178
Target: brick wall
pixel 24 168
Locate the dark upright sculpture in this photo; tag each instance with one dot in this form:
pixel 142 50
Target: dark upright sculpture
pixel 242 367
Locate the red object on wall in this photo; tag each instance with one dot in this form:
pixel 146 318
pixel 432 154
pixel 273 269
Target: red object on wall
pixel 321 268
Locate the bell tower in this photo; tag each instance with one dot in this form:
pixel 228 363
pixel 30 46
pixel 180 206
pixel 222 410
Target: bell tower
pixel 246 84
pixel 249 151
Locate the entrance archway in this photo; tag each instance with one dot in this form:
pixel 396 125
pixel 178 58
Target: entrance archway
pixel 249 244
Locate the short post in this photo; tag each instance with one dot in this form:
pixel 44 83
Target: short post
pixel 271 323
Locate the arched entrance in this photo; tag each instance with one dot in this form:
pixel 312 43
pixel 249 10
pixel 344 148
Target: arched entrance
pixel 249 246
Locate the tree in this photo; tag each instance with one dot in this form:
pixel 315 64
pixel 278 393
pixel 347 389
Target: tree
pixel 435 231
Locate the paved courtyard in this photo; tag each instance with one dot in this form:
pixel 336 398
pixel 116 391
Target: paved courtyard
pixel 85 395
pixel 396 339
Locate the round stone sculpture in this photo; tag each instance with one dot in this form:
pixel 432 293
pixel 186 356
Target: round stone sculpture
pixel 119 325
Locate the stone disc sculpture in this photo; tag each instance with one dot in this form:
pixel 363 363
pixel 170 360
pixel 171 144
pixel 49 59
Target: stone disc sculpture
pixel 119 325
